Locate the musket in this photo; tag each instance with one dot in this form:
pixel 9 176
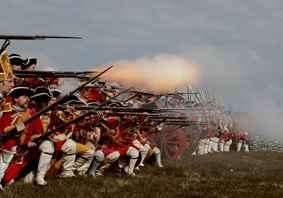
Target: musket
pixel 161 121
pixel 35 37
pixel 144 93
pixel 160 118
pixel 178 121
pixel 185 123
pixel 12 131
pixel 55 74
pixel 131 97
pixel 165 94
pixel 125 109
pixel 133 114
pixel 118 109
pixel 64 125
pixel 156 124
pixel 181 93
pixel 175 120
pixel 171 116
pixel 8 37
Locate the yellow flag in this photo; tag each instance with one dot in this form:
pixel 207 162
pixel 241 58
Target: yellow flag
pixel 6 68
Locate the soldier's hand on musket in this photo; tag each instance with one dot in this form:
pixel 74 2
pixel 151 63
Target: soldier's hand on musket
pixel 18 122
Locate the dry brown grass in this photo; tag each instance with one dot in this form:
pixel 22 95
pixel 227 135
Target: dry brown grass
pixel 217 175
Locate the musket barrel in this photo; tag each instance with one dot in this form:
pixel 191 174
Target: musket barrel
pixel 88 113
pixel 55 74
pixel 39 36
pixel 35 37
pixel 120 109
pixel 76 119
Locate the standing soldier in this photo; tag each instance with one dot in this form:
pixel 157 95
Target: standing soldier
pixel 204 141
pixel 227 139
pixel 223 138
pixel 242 140
pixel 213 140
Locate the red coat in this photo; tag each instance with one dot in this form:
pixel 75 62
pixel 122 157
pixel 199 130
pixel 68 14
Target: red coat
pixel 53 81
pixel 33 82
pixel 5 121
pixel 59 137
pixel 33 128
pixel 241 136
pixel 225 135
pixel 19 164
pixel 124 140
pixel 112 121
pixel 107 144
pixel 94 95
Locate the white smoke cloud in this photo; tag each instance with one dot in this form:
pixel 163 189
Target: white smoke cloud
pixel 67 85
pixel 160 73
pixel 248 90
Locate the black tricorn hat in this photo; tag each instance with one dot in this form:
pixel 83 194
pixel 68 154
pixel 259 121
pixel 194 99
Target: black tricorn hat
pixel 75 100
pixel 42 95
pixel 16 59
pixel 42 89
pixel 28 63
pixel 95 104
pixel 41 98
pixel 56 92
pixel 20 91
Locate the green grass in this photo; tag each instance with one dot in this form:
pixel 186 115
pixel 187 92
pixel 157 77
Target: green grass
pixel 216 175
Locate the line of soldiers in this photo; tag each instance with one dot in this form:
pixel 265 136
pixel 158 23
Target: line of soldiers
pixel 220 139
pixel 66 141
pixel 217 131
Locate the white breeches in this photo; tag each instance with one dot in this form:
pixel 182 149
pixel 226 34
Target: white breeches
pixel 203 146
pixel 214 144
pixel 6 157
pixel 227 146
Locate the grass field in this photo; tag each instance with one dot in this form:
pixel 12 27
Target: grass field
pixel 216 175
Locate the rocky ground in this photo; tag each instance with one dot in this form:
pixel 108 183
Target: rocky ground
pixel 254 174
